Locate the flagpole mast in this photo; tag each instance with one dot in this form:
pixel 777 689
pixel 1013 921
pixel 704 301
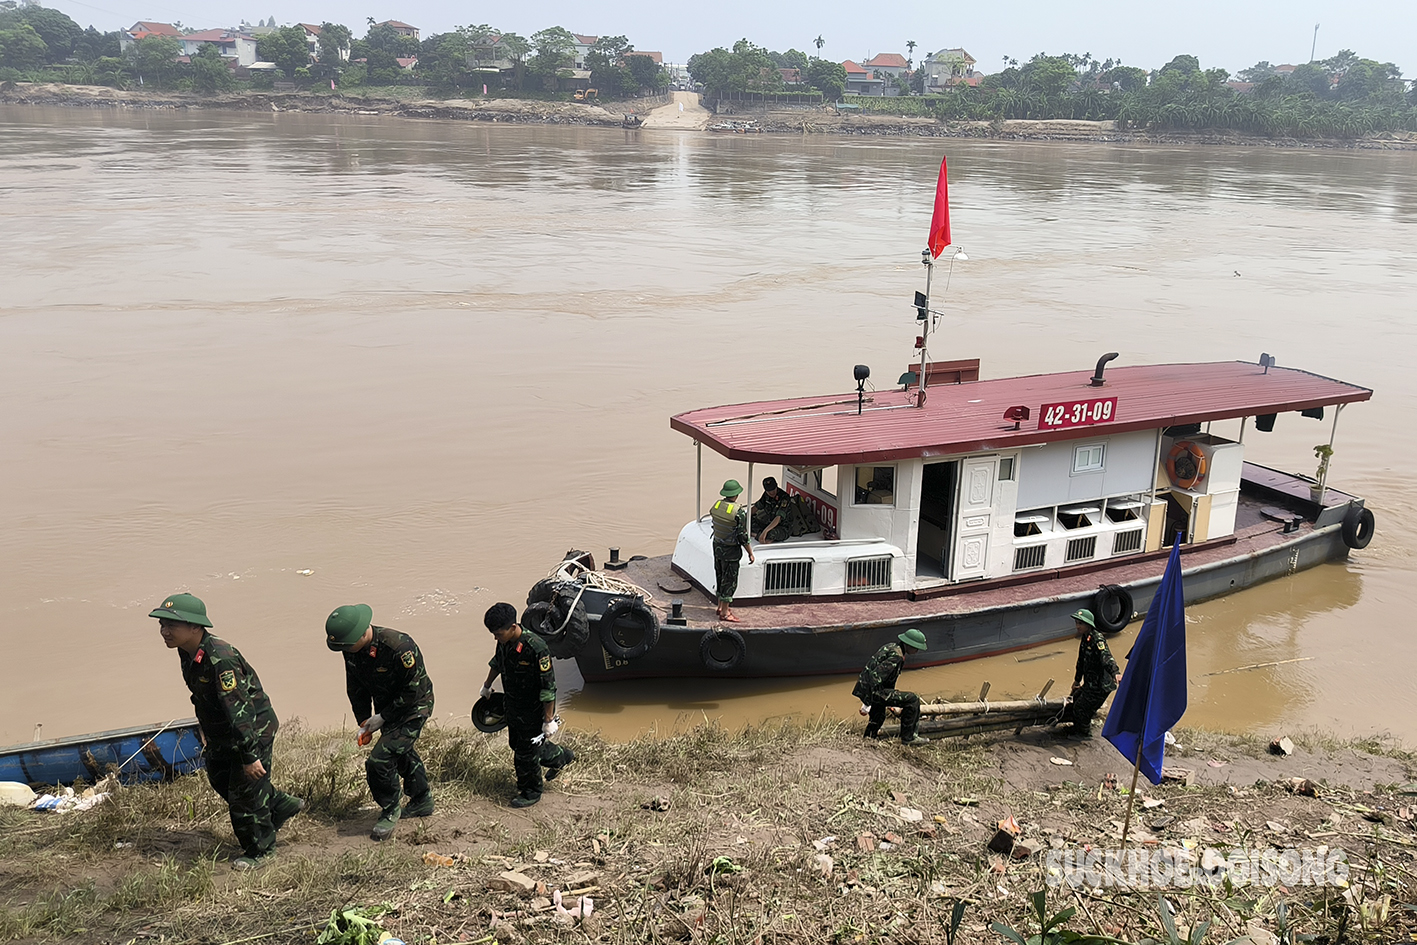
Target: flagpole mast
pixel 1132 795
pixel 924 329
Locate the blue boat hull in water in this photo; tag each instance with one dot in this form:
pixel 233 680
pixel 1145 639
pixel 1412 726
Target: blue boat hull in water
pixel 144 753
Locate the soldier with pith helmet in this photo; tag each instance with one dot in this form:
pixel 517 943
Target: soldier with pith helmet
pixel 237 724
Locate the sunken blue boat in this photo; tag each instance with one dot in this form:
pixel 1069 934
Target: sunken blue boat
pixel 157 752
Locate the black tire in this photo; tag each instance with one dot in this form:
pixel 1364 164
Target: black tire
pixel 567 634
pixel 541 592
pixel 1112 608
pixel 714 640
pixel 628 629
pixel 1358 527
pixel 538 618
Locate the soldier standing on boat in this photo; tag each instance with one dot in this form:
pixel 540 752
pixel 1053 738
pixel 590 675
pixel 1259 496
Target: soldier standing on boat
pixel 772 513
pixel 523 661
pixel 730 533
pixel 1097 673
pixel 876 688
pixel 390 692
pixel 237 724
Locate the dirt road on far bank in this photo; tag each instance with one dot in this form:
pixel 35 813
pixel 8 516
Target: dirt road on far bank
pixel 683 112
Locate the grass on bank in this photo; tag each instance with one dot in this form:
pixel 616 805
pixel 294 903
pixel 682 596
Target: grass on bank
pixel 152 862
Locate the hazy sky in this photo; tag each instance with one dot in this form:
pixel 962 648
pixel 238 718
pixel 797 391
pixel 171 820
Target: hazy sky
pixel 1230 34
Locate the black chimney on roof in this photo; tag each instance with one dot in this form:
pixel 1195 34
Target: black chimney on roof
pixel 1097 379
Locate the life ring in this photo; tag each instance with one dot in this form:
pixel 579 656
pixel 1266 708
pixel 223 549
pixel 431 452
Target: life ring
pixel 1112 608
pixel 1186 464
pixel 713 641
pixel 1358 527
pixel 631 611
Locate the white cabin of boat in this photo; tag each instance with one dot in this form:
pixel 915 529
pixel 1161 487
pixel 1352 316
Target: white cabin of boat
pixel 993 478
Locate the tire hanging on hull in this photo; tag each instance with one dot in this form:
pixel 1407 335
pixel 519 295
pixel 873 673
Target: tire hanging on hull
pixel 1358 527
pixel 713 639
pixel 628 610
pixel 1112 607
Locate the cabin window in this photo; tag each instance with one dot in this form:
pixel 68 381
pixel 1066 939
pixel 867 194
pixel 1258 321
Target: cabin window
pixel 1124 510
pixel 1006 469
pixel 1032 523
pixel 875 485
pixel 787 577
pixel 1088 458
pixel 868 574
pixel 825 481
pixel 1081 516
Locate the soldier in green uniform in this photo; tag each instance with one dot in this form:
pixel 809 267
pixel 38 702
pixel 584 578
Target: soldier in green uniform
pixel 772 514
pixel 388 690
pixel 523 661
pixel 237 723
pixel 876 688
pixel 1097 673
pixel 730 533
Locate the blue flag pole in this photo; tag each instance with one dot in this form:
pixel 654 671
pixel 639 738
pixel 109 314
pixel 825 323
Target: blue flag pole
pixel 1152 695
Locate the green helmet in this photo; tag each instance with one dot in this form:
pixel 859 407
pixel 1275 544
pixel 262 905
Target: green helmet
pixel 913 637
pixel 731 489
pixel 183 607
pixel 1086 617
pixel 345 625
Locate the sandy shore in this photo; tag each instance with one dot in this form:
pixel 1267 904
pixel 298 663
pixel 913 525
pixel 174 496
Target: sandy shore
pixel 798 833
pixel 823 120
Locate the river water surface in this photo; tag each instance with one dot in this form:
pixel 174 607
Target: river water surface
pixel 289 362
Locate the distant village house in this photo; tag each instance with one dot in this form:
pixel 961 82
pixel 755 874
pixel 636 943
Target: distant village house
pixel 949 67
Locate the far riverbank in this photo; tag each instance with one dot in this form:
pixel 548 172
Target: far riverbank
pixel 824 120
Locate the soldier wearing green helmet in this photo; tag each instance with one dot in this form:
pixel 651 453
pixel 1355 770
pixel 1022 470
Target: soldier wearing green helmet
pixel 389 691
pixel 237 723
pixel 876 688
pixel 730 534
pixel 1097 673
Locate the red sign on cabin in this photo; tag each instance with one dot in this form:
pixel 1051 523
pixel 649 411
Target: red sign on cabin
pixel 825 511
pixel 1077 413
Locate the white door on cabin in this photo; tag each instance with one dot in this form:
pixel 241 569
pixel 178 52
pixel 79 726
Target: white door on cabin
pixel 976 517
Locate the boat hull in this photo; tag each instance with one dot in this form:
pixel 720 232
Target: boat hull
pixel 954 634
pixel 144 753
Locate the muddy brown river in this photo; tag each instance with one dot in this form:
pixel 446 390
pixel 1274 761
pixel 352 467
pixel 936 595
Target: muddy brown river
pixel 288 362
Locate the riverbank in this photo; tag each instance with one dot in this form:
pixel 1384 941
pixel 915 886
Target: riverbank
pixel 798 833
pixel 825 120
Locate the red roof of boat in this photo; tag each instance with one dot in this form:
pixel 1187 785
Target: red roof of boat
pixel 968 417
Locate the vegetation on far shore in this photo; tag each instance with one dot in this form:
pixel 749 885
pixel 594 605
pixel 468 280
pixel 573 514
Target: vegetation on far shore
pixel 711 836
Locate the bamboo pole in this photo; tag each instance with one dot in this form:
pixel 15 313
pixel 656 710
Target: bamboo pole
pixel 1132 795
pixel 992 708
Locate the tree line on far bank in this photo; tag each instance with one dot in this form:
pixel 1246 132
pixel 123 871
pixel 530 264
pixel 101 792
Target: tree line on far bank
pixel 1343 96
pixel 46 45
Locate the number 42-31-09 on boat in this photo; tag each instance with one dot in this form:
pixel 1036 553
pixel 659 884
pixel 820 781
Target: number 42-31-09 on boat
pixel 983 512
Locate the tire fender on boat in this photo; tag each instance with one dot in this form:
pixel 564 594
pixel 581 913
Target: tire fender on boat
pixel 1191 460
pixel 719 636
pixel 1112 607
pixel 1358 527
pixel 630 610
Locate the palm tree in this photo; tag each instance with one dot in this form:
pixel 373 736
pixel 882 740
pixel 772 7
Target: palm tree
pixel 910 49
pixel 820 43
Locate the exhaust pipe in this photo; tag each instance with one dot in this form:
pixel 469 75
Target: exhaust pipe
pixel 1097 379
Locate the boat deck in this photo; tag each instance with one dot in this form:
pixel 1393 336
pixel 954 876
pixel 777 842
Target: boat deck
pixel 1254 534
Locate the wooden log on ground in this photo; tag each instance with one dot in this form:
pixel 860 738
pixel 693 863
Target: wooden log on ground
pixel 991 708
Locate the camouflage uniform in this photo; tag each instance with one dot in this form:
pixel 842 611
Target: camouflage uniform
pixel 529 682
pixel 876 688
pixel 239 726
pixel 730 536
pixel 766 509
pixel 1098 672
pixel 389 674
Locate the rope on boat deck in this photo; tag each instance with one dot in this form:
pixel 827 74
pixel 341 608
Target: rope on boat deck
pixel 599 581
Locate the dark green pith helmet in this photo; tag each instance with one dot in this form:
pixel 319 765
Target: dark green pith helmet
pixel 731 489
pixel 345 625
pixel 913 637
pixel 1086 617
pixel 490 713
pixel 183 607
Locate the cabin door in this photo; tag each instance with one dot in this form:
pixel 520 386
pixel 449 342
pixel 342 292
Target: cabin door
pixel 975 518
pixel 938 485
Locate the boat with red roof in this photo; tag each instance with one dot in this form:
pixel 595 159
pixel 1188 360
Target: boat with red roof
pixel 983 512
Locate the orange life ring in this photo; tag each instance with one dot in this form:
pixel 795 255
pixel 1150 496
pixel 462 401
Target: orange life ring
pixel 1186 464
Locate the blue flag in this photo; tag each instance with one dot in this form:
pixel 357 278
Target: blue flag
pixel 1152 695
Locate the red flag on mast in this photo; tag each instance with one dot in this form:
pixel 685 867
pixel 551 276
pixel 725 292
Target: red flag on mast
pixel 940 221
